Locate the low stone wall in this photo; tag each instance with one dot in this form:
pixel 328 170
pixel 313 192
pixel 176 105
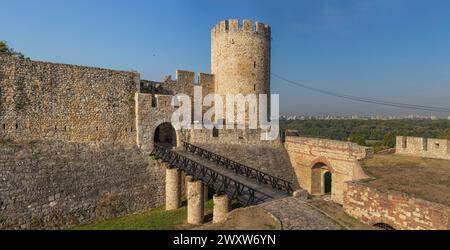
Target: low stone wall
pixel 55 184
pixel 423 147
pixel 396 209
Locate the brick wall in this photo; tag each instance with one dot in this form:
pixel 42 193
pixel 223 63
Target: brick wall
pixel 398 210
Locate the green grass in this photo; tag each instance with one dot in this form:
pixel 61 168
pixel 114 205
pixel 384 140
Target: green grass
pixel 155 219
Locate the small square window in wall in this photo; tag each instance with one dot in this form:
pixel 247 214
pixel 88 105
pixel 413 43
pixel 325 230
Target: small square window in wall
pixel 436 145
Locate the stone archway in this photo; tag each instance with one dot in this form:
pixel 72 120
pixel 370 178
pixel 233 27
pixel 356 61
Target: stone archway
pixel 165 135
pixel 321 178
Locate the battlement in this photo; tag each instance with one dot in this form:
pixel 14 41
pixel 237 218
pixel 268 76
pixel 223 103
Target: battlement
pixel 234 25
pixel 423 147
pixel 188 78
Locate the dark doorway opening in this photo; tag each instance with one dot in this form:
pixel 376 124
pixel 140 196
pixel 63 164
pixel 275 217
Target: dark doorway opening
pixel 215 132
pixel 327 180
pixel 165 135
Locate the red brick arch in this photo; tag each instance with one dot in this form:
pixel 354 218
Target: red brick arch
pixel 322 160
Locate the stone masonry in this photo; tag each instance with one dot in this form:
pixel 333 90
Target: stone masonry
pixel 423 147
pixel 399 210
pixel 76 140
pixel 55 184
pixel 48 101
pixel 339 158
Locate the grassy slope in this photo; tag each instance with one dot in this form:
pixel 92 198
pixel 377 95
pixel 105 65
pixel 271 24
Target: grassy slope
pixel 155 219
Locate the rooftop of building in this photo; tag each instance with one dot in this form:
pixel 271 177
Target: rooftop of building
pixel 423 178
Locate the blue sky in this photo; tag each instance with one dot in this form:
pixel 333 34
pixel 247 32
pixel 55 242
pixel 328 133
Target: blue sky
pixel 396 50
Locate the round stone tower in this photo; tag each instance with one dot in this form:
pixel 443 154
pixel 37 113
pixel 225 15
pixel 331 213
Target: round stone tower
pixel 240 57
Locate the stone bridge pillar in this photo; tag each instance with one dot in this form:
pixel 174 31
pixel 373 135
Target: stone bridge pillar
pixel 196 202
pixel 173 189
pixel 187 179
pixel 221 208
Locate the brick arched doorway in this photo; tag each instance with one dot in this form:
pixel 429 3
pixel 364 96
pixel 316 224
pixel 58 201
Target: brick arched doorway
pixel 321 179
pixel 165 135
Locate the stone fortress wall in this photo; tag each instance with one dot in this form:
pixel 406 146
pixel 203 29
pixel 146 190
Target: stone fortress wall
pixel 423 147
pixel 75 140
pixel 48 101
pixel 51 184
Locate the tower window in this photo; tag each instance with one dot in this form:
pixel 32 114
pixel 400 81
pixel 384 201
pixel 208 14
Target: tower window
pixel 254 65
pixel 254 87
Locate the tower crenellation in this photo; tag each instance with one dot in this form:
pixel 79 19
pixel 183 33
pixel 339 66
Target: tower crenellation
pixel 240 57
pixel 233 25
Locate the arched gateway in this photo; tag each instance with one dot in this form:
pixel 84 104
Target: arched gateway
pixel 165 135
pixel 321 179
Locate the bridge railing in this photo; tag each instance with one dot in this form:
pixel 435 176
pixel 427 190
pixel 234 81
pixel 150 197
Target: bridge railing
pixel 249 172
pixel 213 179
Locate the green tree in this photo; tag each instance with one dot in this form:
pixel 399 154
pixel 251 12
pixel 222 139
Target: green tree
pixel 446 135
pixel 357 139
pixel 389 140
pixel 6 50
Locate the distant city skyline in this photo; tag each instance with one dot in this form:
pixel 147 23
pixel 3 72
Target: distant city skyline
pixel 394 50
pixel 361 117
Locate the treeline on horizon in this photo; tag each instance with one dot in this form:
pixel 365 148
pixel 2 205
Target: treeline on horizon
pixel 380 134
